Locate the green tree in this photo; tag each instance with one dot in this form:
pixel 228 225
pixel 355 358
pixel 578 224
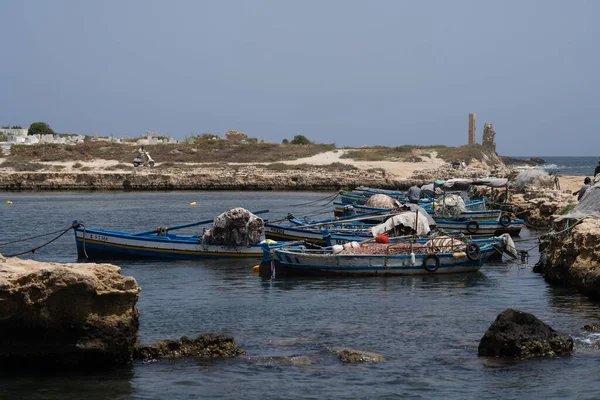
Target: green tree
pixel 285 141
pixel 300 139
pixel 40 128
pixel 16 127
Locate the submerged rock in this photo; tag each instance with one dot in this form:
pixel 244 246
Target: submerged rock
pixel 356 356
pixel 66 314
pixel 519 334
pixel 204 346
pixel 592 327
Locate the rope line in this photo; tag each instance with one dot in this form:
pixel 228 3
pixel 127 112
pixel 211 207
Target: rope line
pixel 30 238
pixel 43 245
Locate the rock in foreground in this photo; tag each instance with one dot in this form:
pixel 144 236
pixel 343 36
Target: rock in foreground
pixel 66 314
pixel 519 334
pixel 204 346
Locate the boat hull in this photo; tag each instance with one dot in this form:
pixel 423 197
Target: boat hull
pixel 288 263
pixel 96 243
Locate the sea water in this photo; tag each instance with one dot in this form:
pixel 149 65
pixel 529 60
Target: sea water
pixel 427 327
pixel 578 166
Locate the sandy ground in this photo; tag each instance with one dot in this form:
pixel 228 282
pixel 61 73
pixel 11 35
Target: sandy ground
pixel 402 170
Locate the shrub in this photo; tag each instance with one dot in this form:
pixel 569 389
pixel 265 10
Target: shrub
pixel 77 165
pixel 285 141
pixel 300 139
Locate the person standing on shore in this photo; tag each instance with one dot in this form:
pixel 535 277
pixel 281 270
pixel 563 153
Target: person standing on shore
pixel 587 183
pixel 597 170
pixel 414 194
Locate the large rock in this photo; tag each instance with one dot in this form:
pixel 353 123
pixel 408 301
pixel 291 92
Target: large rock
pixel 357 356
pixel 519 334
pixel 572 258
pixel 204 346
pixel 66 314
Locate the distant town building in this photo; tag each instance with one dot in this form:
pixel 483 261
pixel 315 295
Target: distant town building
pixel 236 136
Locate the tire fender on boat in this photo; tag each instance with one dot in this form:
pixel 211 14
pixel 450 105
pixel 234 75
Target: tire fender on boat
pixel 505 220
pixel 473 251
pixel 427 266
pixel 472 226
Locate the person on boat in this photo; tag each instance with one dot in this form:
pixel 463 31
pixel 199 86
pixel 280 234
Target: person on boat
pixel 413 194
pixel 587 183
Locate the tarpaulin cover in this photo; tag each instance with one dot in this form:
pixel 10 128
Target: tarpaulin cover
pixel 588 207
pixel 408 219
pixel 462 184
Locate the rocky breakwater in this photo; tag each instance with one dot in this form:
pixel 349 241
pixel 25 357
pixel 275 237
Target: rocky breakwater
pixel 446 171
pixel 540 206
pixel 65 314
pixel 228 177
pixel 571 257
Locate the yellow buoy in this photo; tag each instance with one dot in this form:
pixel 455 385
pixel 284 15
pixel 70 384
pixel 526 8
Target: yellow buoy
pixel 8 202
pixel 193 204
pixel 255 268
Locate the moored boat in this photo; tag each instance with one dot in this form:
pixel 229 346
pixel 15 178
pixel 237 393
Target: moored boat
pixel 369 259
pixel 219 242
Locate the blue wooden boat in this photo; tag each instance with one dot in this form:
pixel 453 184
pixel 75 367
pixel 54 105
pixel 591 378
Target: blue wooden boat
pixel 158 243
pixel 302 260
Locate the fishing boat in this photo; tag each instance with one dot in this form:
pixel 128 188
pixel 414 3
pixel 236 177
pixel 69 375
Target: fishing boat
pixel 369 259
pixel 162 243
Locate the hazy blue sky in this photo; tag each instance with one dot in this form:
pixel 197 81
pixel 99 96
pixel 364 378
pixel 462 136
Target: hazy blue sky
pixel 385 72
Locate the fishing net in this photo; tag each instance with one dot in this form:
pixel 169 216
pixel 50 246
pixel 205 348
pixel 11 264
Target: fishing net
pixel 235 227
pixel 534 177
pixel 382 201
pixel 588 207
pixel 450 205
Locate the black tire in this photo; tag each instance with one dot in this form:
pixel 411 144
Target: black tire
pixel 505 220
pixel 473 227
pixel 135 165
pixel 428 267
pixel 151 163
pixel 473 252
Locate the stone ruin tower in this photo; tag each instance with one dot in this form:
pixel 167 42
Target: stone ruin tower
pixel 488 137
pixel 472 129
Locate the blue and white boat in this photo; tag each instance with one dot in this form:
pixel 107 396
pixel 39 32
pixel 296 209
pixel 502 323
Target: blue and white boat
pixel 159 243
pixel 301 260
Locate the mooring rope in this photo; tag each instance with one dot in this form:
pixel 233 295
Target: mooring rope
pixel 31 237
pixel 330 199
pixel 43 245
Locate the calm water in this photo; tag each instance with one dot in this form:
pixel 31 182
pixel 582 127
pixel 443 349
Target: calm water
pixel 427 327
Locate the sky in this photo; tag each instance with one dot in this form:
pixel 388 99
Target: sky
pixel 353 73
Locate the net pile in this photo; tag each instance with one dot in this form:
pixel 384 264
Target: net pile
pixel 535 177
pixel 235 227
pixel 382 201
pixel 451 205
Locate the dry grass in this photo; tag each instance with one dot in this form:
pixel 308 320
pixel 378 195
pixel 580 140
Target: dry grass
pixel 208 151
pixel 20 165
pixel 467 152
